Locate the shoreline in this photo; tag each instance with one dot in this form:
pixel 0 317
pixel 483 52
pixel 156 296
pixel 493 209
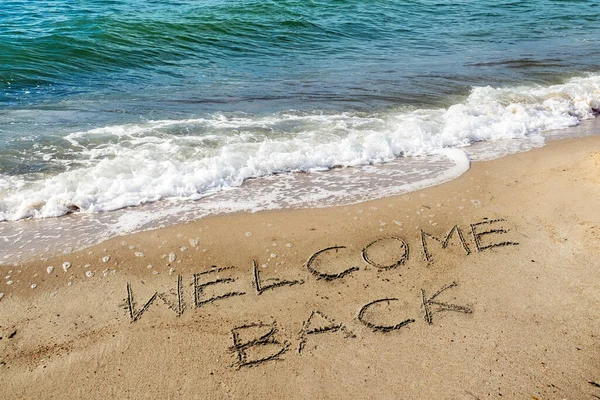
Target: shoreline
pixel 28 239
pixel 481 286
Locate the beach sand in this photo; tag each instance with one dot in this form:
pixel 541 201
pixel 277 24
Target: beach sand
pixel 487 286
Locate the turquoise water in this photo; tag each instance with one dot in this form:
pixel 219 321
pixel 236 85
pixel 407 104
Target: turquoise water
pixel 216 92
pixel 154 57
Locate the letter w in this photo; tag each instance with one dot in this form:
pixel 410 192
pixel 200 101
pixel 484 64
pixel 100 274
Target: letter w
pixel 177 308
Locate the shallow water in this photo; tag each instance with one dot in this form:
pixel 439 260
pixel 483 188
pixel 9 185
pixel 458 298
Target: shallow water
pixel 26 239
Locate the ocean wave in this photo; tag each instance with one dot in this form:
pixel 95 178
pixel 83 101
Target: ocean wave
pixel 127 165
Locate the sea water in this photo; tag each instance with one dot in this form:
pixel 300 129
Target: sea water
pixel 189 108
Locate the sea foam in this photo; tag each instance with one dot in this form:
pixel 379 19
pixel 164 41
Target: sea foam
pixel 127 165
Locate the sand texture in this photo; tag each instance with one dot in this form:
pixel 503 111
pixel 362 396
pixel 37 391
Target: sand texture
pixel 484 287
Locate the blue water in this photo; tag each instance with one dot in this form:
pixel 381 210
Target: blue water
pixel 68 67
pixel 156 57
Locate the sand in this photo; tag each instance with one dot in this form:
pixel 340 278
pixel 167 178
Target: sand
pixel 487 286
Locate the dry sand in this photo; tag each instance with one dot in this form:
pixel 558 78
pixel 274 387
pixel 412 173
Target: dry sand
pixel 507 307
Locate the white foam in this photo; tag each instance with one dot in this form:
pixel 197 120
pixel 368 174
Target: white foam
pixel 128 165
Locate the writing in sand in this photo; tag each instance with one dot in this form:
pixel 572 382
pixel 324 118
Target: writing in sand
pixel 217 284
